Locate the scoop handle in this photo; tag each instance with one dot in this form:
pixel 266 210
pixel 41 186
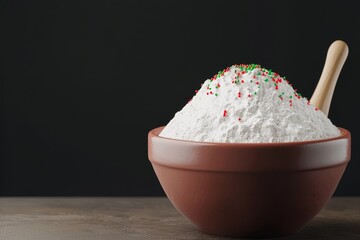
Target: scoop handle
pixel 335 59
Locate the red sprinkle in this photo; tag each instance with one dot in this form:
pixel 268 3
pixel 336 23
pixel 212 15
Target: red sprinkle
pixel 211 92
pixel 239 94
pixel 242 81
pixel 225 112
pixel 316 109
pixel 257 83
pixel 277 87
pixel 196 91
pixel 249 95
pixel 239 119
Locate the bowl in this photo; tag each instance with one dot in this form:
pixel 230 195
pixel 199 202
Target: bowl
pixel 249 189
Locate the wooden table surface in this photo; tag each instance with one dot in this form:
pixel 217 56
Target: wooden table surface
pixel 142 218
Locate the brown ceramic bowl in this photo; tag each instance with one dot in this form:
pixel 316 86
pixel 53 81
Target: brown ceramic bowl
pixel 245 189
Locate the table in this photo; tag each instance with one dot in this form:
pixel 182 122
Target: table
pixel 143 218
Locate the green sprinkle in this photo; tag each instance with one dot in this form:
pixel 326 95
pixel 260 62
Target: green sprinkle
pixel 266 80
pixel 290 96
pixel 255 93
pixel 216 94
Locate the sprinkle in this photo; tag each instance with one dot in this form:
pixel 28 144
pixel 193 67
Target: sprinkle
pixel 224 114
pixel 242 81
pixel 316 109
pixel 239 119
pixel 239 94
pixel 196 91
pixel 249 95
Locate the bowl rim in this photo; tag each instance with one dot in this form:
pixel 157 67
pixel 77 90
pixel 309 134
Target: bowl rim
pixel 303 155
pixel 345 134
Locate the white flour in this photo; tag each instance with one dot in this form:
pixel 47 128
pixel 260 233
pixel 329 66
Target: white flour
pixel 249 104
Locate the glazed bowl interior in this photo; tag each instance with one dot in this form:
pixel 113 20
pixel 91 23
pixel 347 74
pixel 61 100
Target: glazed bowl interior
pixel 249 190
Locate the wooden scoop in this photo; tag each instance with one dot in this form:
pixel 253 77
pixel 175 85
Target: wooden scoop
pixel 335 59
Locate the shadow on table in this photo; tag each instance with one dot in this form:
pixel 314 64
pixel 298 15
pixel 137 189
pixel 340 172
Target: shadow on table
pixel 331 229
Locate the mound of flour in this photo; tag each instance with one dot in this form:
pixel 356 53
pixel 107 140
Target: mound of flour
pixel 249 104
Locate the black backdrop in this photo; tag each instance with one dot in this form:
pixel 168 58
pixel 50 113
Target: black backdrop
pixel 84 81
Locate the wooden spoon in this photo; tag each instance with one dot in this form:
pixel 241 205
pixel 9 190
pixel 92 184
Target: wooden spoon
pixel 335 59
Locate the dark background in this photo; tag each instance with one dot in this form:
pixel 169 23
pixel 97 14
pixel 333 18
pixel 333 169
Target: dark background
pixel 84 81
